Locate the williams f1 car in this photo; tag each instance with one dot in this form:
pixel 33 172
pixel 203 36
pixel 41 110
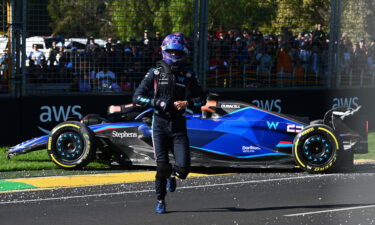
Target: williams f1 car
pixel 226 134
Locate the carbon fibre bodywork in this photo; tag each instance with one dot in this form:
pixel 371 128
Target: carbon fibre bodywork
pixel 236 135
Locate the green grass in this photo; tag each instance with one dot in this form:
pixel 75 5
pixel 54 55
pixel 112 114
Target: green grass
pixel 38 163
pixel 37 160
pixel 371 148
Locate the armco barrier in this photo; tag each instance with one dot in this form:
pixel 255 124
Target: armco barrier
pixel 10 120
pixel 28 117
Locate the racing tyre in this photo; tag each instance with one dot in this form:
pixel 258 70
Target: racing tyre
pixel 316 148
pixel 71 145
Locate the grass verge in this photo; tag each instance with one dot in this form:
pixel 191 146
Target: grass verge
pixel 38 163
pixel 371 148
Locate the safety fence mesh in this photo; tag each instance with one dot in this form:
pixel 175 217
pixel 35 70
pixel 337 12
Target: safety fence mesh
pixel 99 46
pixel 5 83
pixel 107 46
pixel 267 44
pixel 356 55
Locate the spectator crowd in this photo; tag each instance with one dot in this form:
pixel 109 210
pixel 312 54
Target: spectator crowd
pixel 242 57
pixel 112 67
pixel 284 59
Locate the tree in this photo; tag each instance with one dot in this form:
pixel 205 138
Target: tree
pixel 123 19
pixel 79 18
pixel 358 18
pixel 241 13
pixel 132 17
pixel 301 15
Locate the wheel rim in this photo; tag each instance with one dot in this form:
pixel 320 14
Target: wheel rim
pixel 69 146
pixel 317 149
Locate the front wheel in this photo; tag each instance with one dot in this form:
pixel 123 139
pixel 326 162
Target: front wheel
pixel 316 148
pixel 71 145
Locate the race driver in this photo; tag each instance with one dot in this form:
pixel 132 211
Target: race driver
pixel 169 88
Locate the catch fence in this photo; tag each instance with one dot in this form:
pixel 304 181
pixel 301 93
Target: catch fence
pixel 107 46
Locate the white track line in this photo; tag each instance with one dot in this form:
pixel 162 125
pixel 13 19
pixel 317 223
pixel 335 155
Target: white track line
pixel 331 210
pixel 152 190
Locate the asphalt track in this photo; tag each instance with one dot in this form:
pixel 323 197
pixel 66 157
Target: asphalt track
pixel 247 197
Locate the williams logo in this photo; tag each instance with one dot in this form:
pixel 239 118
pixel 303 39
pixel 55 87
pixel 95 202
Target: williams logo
pixel 124 134
pixel 53 114
pixel 181 79
pixel 272 125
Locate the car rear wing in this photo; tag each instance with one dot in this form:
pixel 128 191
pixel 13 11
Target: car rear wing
pixel 351 126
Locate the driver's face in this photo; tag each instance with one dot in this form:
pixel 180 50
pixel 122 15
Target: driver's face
pixel 175 52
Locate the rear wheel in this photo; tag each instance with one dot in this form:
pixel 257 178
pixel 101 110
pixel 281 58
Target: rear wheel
pixel 71 145
pixel 316 148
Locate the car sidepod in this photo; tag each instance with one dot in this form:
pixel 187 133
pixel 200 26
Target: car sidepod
pixel 130 142
pixel 247 137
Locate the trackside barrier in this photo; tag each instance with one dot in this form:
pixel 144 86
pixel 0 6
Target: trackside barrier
pixel 32 116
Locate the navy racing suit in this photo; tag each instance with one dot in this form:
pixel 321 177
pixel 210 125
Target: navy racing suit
pixel 160 88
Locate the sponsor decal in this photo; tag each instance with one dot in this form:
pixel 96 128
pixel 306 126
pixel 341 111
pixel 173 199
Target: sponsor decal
pixel 65 125
pixel 230 106
pixel 326 167
pixel 308 131
pixel 292 128
pixel 55 114
pixel 88 144
pixel 156 72
pixel 49 146
pixel 250 149
pixel 272 125
pixel 181 85
pixel 123 134
pixel 352 102
pixel 270 105
pixel 139 160
pixel 181 79
pixel 163 80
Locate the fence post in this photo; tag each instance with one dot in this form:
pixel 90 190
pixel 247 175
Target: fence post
pixel 195 38
pixel 12 46
pixel 334 39
pixel 203 34
pixel 24 57
pixel 14 11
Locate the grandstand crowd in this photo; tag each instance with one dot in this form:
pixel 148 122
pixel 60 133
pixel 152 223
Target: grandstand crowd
pixel 248 58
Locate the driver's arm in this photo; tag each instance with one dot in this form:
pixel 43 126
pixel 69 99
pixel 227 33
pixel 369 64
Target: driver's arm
pixel 142 93
pixel 119 108
pixel 195 99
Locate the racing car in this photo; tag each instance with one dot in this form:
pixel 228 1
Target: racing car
pixel 225 134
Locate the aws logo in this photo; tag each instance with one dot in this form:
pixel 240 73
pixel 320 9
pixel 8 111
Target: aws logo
pixel 270 105
pixel 351 102
pixel 55 114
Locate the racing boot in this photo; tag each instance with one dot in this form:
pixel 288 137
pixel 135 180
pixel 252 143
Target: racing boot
pixel 171 183
pixel 160 207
